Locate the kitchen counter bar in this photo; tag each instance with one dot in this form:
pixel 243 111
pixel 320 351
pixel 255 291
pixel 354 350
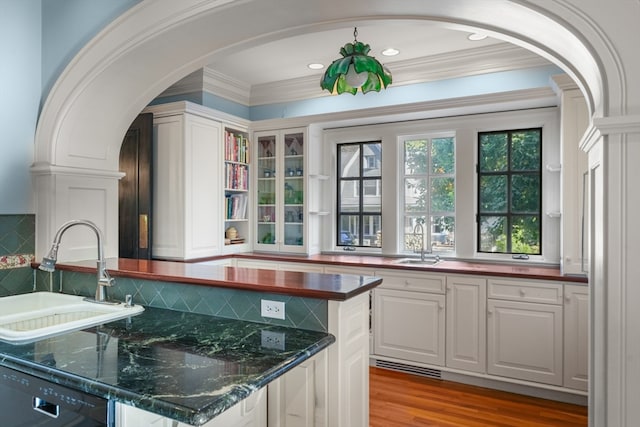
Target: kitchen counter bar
pixel 523 271
pixel 312 285
pixel 185 366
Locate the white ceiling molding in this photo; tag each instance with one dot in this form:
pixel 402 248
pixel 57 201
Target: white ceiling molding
pixel 191 84
pixel 469 62
pixel 226 87
pixel 478 104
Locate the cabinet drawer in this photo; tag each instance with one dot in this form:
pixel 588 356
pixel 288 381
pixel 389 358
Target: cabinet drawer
pixel 540 292
pixel 409 281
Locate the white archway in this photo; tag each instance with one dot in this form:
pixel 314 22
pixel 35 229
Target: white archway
pixel 158 42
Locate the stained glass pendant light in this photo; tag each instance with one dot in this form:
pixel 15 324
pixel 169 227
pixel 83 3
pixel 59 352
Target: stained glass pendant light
pixel 355 70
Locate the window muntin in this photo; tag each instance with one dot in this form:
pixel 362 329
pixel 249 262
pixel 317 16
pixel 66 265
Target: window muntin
pixel 359 194
pixel 429 193
pixel 510 191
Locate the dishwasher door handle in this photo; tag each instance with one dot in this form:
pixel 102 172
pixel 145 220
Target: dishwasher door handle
pixel 45 407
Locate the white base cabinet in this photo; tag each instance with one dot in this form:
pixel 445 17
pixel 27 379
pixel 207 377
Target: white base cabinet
pixel 525 341
pixel 409 325
pixel 576 336
pixel 251 412
pixel 466 337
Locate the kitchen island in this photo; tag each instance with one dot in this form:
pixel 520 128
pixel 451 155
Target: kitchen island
pixel 184 366
pixel 304 381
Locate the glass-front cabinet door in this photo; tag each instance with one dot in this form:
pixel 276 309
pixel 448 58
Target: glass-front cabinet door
pixel 266 190
pixel 280 204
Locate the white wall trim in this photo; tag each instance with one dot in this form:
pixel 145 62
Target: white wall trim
pixel 489 103
pixel 470 62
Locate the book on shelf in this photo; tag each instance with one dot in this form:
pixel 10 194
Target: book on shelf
pixel 236 147
pixel 236 176
pixel 236 206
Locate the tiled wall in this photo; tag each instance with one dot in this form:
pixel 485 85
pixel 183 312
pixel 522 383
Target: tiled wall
pixel 17 246
pixel 303 313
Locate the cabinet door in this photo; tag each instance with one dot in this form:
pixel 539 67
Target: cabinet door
pixel 293 191
pixel 267 146
pixel 576 337
pixel 466 323
pixel 525 341
pixel 409 325
pixel 187 187
pixel 299 397
pixel 281 191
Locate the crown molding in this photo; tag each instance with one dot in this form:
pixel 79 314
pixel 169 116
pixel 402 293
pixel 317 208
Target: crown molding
pixel 542 97
pixel 190 84
pixel 468 62
pixel 226 87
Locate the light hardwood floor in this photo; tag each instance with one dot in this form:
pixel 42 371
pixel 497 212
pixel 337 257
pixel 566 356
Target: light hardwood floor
pixel 405 400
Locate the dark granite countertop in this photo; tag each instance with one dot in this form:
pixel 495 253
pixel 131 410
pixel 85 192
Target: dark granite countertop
pixel 185 366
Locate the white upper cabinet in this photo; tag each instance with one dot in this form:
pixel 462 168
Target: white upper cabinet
pixel 280 221
pixel 189 208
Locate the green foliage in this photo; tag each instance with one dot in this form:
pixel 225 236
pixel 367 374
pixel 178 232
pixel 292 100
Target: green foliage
pixel 510 182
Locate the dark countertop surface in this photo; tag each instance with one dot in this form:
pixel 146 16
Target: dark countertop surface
pixel 185 366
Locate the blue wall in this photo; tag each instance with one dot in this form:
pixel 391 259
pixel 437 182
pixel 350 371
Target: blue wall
pixel 20 37
pixel 67 26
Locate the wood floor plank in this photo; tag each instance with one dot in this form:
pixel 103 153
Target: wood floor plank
pixel 403 400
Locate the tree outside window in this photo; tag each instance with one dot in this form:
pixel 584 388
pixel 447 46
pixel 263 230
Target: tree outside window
pixel 510 191
pixel 429 193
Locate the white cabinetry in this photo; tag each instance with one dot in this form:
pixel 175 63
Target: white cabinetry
pixel 299 397
pixel 187 189
pixel 524 330
pixel 574 120
pixel 576 336
pixel 466 336
pixel 283 266
pixel 188 193
pixel 281 190
pixel 251 412
pixel 409 317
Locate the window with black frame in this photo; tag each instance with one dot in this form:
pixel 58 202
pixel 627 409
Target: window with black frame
pixel 359 194
pixel 510 191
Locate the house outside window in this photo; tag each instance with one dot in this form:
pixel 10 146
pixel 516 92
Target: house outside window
pixel 428 211
pixel 359 194
pixel 510 191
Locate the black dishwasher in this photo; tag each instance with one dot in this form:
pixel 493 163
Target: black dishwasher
pixel 27 401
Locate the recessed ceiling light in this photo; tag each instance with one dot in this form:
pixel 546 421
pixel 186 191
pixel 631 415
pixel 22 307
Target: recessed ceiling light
pixel 316 66
pixel 390 52
pixel 476 36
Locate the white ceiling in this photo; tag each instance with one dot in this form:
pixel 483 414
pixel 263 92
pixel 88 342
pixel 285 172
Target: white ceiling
pixel 276 71
pixel 288 58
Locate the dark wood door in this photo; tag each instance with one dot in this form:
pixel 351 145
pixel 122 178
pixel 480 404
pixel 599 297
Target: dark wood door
pixel 134 189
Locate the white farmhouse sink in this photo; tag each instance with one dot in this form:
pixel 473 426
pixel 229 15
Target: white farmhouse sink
pixel 27 317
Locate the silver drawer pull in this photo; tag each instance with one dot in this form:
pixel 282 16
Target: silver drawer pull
pixel 45 407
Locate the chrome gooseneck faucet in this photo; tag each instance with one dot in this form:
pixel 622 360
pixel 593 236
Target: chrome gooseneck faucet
pixel 104 279
pixel 418 230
